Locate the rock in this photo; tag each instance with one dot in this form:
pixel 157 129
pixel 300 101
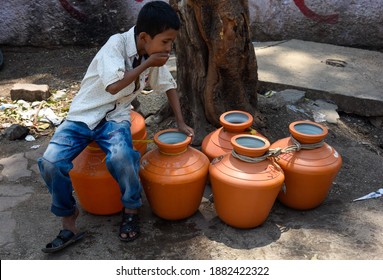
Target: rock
pixel 292 96
pixel 325 111
pixel 277 100
pixel 16 131
pixel 150 104
pixel 30 92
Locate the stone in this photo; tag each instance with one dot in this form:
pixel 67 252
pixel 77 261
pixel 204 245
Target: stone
pixel 325 111
pixel 150 104
pixel 16 131
pixel 292 96
pixel 30 92
pixel 280 99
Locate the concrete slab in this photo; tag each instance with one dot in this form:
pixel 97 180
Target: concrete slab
pixel 10 196
pixel 15 167
pixel 350 77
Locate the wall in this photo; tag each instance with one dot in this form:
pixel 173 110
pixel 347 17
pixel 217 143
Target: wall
pixel 60 22
pixel 340 22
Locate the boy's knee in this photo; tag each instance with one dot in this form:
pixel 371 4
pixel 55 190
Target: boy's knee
pixel 47 166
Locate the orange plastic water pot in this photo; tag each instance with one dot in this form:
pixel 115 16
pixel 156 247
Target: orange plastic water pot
pixel 138 130
pixel 245 183
pixel 174 175
pixel 96 189
pixel 218 142
pixel 309 172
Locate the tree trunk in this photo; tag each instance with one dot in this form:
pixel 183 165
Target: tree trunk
pixel 216 63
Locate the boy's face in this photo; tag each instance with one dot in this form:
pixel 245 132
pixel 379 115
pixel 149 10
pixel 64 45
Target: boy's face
pixel 161 43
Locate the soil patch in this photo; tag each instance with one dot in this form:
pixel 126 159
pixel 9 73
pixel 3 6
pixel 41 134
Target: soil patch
pixel 356 139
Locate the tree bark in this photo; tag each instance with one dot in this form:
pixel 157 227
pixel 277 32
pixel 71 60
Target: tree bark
pixel 216 63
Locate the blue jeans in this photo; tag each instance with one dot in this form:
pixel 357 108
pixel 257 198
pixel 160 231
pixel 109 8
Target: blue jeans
pixel 69 140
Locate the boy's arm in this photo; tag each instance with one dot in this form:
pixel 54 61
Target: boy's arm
pixel 129 77
pixel 176 107
pixel 156 59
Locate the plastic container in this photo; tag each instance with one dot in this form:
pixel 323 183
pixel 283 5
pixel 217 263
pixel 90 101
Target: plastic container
pixel 218 142
pixel 244 192
pixel 139 133
pixel 174 175
pixel 96 189
pixel 309 173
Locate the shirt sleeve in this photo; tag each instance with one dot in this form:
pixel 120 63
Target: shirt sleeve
pixel 161 80
pixel 111 62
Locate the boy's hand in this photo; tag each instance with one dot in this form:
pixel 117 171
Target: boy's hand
pixel 186 129
pixel 158 59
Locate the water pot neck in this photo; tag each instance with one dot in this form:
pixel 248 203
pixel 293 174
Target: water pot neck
pixel 172 142
pixel 311 146
pixel 307 132
pixel 236 121
pixel 249 146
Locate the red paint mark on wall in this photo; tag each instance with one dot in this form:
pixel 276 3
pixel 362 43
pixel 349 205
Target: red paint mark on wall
pixel 332 19
pixel 73 11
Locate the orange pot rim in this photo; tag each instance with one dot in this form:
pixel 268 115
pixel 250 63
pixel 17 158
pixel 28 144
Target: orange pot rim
pixel 179 141
pixel 250 145
pixel 318 132
pixel 236 120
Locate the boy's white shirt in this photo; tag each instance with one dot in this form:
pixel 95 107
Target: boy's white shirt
pixel 92 103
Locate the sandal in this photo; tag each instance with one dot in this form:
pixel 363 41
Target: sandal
pixel 129 225
pixel 63 240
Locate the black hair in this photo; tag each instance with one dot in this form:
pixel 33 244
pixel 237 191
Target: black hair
pixel 156 17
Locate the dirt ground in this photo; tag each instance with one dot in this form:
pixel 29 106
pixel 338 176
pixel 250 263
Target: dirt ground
pixel 350 230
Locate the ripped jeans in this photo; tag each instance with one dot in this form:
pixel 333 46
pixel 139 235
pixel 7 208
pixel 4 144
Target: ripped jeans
pixel 69 140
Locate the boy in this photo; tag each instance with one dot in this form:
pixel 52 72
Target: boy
pixel 101 112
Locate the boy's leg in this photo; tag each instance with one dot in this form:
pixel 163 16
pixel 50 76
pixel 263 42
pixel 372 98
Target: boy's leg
pixel 123 163
pixel 68 141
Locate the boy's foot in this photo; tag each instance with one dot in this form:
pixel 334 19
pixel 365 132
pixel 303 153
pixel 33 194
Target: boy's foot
pixel 129 228
pixel 63 240
pixel 68 235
